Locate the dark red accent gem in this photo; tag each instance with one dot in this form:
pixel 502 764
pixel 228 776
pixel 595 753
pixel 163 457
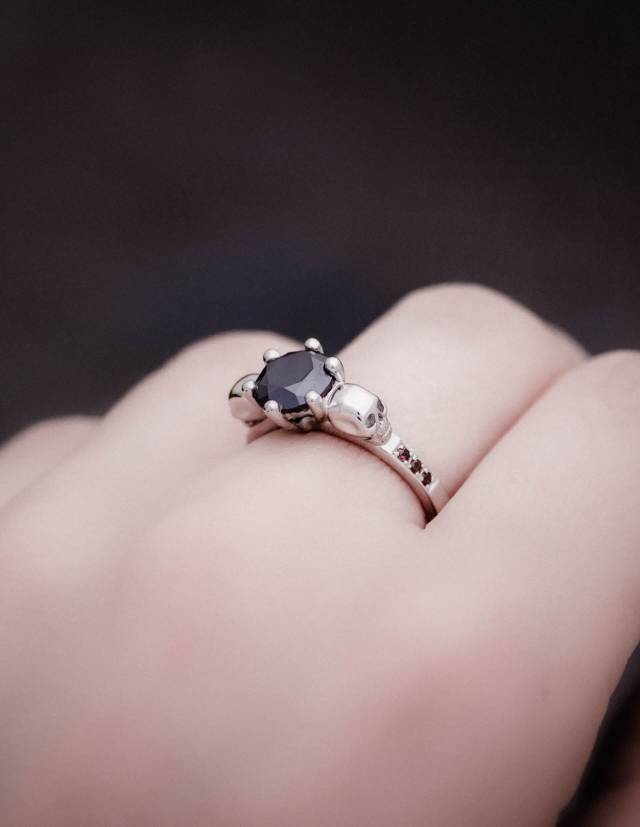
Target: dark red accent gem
pixel 416 466
pixel 426 478
pixel 404 455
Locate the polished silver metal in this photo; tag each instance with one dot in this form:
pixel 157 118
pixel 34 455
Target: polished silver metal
pixel 317 405
pixel 270 355
pixel 248 387
pixel 272 411
pixel 334 366
pixel 348 411
pixel 313 344
pixel 244 406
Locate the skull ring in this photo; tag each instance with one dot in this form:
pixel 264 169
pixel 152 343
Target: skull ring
pixel 305 390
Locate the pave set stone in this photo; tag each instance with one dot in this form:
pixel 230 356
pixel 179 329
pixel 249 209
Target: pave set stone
pixel 405 455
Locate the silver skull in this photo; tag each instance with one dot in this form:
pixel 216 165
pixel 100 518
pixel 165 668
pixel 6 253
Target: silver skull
pixel 360 413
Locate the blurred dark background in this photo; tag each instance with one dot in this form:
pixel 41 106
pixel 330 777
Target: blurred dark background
pixel 172 170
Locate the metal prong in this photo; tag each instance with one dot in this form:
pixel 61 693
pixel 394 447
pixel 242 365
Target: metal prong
pixel 248 388
pixel 313 344
pixel 243 405
pixel 316 405
pixel 334 366
pixel 270 355
pixel 273 412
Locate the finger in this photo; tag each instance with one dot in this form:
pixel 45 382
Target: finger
pixel 436 350
pixel 292 577
pixel 294 546
pixel 432 353
pixel 38 449
pixel 177 418
pixel 456 365
pixel 539 552
pixel 170 427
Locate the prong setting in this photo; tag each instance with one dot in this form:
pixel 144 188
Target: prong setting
pixel 313 344
pixel 334 366
pixel 273 412
pixel 305 390
pixel 317 405
pixel 248 388
pixel 243 405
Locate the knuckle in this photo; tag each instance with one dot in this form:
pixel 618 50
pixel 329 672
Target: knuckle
pixel 45 430
pixel 614 378
pixel 461 299
pixel 619 365
pixel 474 311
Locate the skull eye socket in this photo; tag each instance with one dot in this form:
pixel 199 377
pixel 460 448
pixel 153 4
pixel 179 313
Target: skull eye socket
pixel 380 406
pixel 370 421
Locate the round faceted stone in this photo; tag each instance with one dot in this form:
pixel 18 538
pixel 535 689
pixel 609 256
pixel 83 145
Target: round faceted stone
pixel 289 378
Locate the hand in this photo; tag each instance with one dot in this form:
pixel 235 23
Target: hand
pixel 197 631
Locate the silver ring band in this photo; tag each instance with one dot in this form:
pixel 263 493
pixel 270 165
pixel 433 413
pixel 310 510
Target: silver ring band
pixel 306 390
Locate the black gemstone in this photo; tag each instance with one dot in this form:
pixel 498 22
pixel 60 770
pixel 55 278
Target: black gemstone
pixel 289 378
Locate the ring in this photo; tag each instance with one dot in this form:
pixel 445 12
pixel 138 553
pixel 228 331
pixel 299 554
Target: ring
pixel 305 390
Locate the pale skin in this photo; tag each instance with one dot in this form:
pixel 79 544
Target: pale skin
pixel 199 631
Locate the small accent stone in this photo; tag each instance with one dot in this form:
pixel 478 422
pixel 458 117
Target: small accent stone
pixel 416 466
pixel 426 478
